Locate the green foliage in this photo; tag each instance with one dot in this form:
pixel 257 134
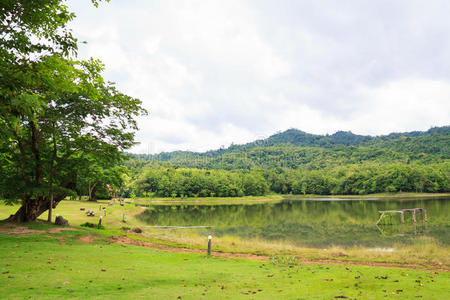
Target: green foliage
pixel 33 28
pixel 343 163
pixel 63 117
pixel 360 179
pixel 182 182
pixel 92 225
pixel 56 113
pixel 95 174
pixel 297 150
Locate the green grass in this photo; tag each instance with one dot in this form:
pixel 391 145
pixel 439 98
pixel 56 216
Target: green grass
pixel 424 252
pixel 59 266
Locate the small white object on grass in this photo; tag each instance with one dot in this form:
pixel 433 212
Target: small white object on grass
pixel 209 237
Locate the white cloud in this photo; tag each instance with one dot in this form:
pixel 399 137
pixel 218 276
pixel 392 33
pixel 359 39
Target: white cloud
pixel 410 103
pixel 216 72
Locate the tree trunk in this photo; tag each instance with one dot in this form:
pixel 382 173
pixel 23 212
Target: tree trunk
pixel 91 191
pixel 52 174
pixel 31 209
pixel 94 197
pixel 50 208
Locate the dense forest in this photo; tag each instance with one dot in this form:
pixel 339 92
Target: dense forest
pixel 295 162
pixel 295 149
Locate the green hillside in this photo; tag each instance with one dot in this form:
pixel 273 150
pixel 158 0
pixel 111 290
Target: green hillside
pixel 295 162
pixel 296 149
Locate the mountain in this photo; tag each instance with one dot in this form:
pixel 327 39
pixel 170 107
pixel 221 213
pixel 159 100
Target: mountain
pixel 295 137
pixel 297 149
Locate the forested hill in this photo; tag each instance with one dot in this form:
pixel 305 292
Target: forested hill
pixel 300 150
pixel 295 137
pixel 295 162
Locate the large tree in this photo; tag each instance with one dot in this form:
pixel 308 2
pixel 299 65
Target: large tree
pixel 55 111
pixel 96 177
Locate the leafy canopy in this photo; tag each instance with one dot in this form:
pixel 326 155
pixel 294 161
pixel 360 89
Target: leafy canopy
pixel 56 112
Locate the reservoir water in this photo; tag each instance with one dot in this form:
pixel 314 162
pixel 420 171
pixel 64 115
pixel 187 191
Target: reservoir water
pixel 311 222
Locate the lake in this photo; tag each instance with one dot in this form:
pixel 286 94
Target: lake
pixel 310 222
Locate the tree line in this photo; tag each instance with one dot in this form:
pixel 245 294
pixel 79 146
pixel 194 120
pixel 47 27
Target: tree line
pixel 183 182
pixel 362 179
pixel 171 181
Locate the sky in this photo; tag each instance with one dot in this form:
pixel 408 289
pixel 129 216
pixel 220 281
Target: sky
pixel 212 73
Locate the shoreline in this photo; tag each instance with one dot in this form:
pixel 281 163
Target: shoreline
pixel 281 197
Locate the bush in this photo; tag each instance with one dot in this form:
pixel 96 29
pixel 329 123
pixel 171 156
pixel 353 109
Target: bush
pixel 92 225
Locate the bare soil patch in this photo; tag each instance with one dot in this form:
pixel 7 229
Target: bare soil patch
pixel 11 228
pixel 88 239
pixel 124 240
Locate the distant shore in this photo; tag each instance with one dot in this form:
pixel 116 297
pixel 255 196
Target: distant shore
pixel 279 197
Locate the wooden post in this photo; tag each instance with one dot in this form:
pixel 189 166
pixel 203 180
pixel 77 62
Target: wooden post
pixel 100 222
pixel 100 207
pixel 209 245
pixel 425 217
pixel 414 216
pixel 403 217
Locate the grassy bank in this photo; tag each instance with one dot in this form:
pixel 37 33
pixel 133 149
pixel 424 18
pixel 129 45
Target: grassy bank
pixel 81 265
pixel 424 253
pixel 277 197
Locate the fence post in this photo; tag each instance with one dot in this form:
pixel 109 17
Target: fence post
pixel 209 245
pixel 100 222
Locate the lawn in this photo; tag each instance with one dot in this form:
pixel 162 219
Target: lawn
pixel 425 253
pixel 60 265
pixel 84 263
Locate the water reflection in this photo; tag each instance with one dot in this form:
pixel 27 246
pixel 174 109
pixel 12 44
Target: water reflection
pixel 403 230
pixel 309 222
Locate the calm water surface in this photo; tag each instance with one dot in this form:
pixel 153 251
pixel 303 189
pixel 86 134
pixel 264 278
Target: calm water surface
pixel 315 223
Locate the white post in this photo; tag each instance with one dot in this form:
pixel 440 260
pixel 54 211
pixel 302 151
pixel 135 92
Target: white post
pixel 209 245
pixel 100 222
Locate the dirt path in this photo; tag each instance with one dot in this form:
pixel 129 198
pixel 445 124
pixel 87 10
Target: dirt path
pixel 123 240
pixel 13 229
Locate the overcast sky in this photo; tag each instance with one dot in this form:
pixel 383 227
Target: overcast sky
pixel 216 72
